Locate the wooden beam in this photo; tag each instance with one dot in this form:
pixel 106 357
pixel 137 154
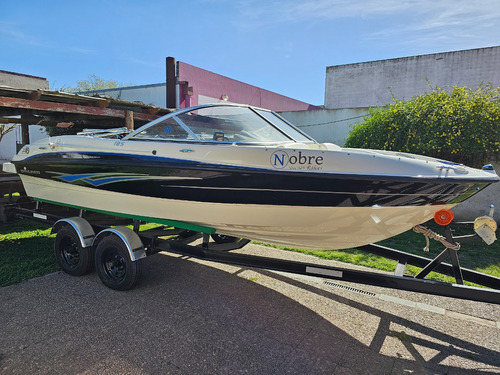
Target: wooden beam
pixel 152 110
pixel 35 106
pixel 27 121
pixel 8 120
pixel 129 120
pixel 64 124
pixel 24 119
pixel 35 95
pixel 102 103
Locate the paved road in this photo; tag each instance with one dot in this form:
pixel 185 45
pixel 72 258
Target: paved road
pixel 195 317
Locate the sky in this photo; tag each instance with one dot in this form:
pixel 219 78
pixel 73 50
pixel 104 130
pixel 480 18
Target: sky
pixel 283 46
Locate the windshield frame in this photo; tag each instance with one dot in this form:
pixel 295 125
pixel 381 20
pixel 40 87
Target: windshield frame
pixel 255 110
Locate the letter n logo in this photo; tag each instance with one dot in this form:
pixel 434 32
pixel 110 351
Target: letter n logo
pixel 279 159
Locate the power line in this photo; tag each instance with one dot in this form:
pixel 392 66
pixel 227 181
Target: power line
pixel 331 122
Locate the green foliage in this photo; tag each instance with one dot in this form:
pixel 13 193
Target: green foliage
pixel 54 131
pixel 93 83
pixel 460 125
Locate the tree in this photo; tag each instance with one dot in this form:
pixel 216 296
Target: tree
pixel 4 129
pixel 460 125
pixel 93 83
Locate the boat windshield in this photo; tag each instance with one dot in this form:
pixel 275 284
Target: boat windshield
pixel 221 124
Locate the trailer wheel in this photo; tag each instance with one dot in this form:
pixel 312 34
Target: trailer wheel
pixel 221 238
pixel 187 233
pixel 72 257
pixel 114 266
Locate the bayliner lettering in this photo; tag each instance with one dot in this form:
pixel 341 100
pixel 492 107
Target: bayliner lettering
pixel 281 159
pixel 29 171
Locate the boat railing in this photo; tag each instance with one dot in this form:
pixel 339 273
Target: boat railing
pixel 106 133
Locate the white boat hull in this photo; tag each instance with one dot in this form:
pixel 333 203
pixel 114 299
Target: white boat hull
pixel 298 226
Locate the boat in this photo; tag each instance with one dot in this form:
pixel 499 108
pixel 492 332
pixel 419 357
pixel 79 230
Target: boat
pixel 245 172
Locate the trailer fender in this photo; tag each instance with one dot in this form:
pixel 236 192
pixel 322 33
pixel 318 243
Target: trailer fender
pixel 130 239
pixel 81 226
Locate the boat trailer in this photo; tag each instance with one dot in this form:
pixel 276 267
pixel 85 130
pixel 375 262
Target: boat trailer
pixel 116 246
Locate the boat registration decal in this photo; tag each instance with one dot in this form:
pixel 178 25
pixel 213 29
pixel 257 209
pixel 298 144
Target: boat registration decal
pixel 291 159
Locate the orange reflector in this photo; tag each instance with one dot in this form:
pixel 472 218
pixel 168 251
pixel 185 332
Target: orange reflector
pixel 444 217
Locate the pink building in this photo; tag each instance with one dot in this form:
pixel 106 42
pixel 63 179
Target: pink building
pixel 188 85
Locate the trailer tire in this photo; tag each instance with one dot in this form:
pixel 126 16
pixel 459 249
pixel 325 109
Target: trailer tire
pixel 114 266
pixel 72 257
pixel 222 238
pixel 187 233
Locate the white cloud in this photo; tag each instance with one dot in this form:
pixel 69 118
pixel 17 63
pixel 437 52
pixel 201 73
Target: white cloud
pixel 295 10
pixel 82 51
pixel 12 32
pixel 447 24
pixel 476 21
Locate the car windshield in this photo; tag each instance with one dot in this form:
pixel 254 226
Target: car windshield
pixel 221 123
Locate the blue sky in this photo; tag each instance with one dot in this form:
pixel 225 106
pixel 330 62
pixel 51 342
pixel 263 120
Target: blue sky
pixel 280 45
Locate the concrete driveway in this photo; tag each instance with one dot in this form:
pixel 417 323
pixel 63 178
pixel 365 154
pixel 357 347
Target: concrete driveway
pixel 188 316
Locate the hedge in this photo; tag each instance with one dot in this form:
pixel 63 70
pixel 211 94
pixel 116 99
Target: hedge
pixel 460 125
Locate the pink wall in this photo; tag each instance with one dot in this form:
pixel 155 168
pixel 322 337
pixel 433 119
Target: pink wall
pixel 194 81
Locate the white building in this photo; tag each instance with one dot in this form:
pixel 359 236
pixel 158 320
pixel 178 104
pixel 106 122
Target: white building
pixel 351 89
pixel 369 84
pixel 8 144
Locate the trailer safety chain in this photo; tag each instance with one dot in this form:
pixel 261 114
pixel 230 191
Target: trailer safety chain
pixel 428 233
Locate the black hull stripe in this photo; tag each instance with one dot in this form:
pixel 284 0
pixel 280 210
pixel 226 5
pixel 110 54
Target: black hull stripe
pixel 298 191
pixel 193 181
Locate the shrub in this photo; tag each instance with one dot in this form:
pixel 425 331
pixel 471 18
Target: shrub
pixel 460 125
pixel 54 131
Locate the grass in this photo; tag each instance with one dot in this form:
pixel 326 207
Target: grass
pixel 474 255
pixel 26 251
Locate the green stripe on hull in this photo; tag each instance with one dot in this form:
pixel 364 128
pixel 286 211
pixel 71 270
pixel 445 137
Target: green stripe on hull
pixel 172 223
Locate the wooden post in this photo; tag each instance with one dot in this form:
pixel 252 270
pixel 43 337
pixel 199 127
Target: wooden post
pixel 25 133
pixel 129 120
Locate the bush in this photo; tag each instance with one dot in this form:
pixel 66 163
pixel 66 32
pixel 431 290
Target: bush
pixel 54 131
pixel 460 125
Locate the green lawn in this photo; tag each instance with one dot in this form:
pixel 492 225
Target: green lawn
pixel 474 255
pixel 26 251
